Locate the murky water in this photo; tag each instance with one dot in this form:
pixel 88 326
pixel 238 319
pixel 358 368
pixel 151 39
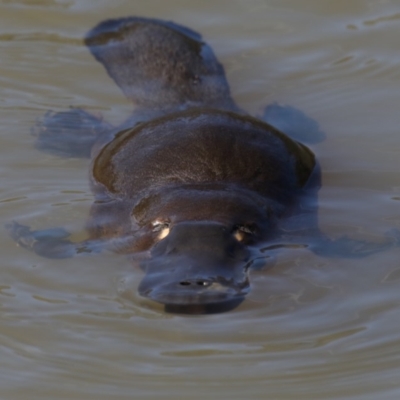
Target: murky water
pixel 312 327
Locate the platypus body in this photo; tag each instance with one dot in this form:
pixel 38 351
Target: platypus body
pixel 189 180
pixel 197 188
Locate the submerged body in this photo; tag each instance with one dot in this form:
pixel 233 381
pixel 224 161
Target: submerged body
pixel 197 187
pixel 189 180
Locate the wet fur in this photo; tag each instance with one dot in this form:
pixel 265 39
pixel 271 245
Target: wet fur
pixel 190 178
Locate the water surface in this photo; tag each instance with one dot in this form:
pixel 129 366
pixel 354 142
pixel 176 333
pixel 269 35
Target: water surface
pixel 312 327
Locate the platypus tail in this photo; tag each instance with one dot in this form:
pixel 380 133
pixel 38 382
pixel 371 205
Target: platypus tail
pixel 159 64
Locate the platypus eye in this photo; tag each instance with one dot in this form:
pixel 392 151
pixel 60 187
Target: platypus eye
pixel 162 227
pixel 196 79
pixel 243 232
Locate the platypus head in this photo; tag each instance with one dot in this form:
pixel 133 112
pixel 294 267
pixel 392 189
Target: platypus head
pixel 200 259
pixel 198 267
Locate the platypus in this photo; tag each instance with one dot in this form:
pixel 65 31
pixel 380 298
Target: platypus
pixel 190 181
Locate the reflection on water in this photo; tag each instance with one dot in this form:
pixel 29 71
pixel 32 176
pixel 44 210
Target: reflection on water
pixel 312 327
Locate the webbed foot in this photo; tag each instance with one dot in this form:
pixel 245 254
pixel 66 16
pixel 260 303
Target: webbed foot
pixel 293 123
pixel 69 133
pixel 352 248
pixel 343 247
pixel 50 243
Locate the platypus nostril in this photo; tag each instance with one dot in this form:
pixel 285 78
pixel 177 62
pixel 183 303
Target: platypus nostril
pixel 198 283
